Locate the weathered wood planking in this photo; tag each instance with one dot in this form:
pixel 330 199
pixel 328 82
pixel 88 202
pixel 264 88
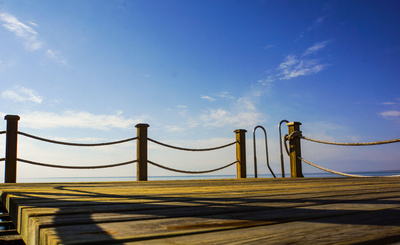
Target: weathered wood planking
pixel 281 211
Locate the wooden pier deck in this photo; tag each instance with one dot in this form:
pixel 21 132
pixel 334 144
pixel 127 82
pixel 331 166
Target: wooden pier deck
pixel 250 211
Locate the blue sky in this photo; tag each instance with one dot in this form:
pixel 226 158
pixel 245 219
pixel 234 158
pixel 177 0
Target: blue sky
pixel 89 71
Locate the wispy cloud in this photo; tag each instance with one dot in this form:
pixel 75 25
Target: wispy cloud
pixel 55 56
pixel 391 103
pixel 78 119
pixel 29 36
pixel 33 24
pixel 22 94
pixel 269 46
pixel 206 97
pixel 390 114
pixel 293 67
pixel 269 79
pixel 242 114
pixel 22 31
pixel 224 95
pixel 393 112
pixel 315 48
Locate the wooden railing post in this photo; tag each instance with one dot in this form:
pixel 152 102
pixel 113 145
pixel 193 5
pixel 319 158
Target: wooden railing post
pixel 11 149
pixel 295 150
pixel 241 153
pixel 141 169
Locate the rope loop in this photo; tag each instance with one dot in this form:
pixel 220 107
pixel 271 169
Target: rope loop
pixel 351 144
pixel 189 172
pixel 293 135
pixel 75 144
pixel 286 138
pixel 75 167
pixel 188 149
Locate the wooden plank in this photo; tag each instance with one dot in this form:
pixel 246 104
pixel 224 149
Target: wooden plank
pixel 374 227
pixel 38 222
pixel 146 229
pixel 87 212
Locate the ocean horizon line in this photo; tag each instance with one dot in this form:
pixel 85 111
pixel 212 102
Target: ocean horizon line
pixel 192 177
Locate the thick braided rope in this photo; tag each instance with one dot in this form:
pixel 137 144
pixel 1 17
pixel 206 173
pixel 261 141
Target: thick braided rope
pixel 352 144
pixel 3 132
pixel 188 149
pixel 190 172
pixel 345 174
pixel 75 167
pixel 75 144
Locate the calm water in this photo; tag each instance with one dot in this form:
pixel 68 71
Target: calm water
pixel 188 177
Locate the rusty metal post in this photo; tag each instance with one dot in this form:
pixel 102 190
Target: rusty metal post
pixel 241 152
pixel 141 145
pixel 295 150
pixel 11 149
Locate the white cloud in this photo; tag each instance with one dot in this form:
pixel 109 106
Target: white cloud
pixel 315 48
pixel 269 79
pixel 75 119
pixel 390 103
pixel 226 95
pixel 21 94
pixel 208 98
pixel 26 33
pixel 388 114
pixel 269 46
pixel 242 114
pixel 33 24
pixel 293 67
pixel 56 57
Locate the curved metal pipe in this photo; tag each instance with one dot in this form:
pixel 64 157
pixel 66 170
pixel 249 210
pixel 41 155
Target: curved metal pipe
pixel 280 145
pixel 266 150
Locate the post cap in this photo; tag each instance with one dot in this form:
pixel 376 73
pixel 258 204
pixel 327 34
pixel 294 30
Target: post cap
pixel 240 130
pixel 293 123
pixel 11 117
pixel 142 125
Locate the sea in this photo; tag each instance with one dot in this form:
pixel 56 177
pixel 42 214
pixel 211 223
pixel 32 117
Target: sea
pixel 192 177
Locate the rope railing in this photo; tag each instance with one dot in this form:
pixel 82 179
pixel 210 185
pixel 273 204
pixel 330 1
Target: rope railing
pixel 295 134
pixel 75 167
pixel 344 174
pixel 190 172
pixel 188 149
pixel 141 139
pixel 351 144
pixel 75 144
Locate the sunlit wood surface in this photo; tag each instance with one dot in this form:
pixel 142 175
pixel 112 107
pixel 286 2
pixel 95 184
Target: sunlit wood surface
pixel 258 211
